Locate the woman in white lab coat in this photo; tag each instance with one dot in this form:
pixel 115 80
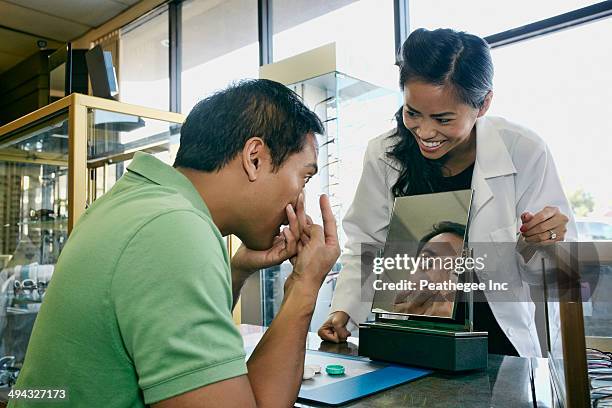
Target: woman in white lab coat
pixel 444 142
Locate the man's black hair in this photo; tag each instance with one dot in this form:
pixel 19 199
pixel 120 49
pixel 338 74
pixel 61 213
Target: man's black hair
pixel 218 127
pixel 440 228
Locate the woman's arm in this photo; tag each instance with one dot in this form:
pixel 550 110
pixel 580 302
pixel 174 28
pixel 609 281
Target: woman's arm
pixel 539 192
pixel 366 222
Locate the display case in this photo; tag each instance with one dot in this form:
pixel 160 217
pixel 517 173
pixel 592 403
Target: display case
pixel 353 110
pixel 577 282
pixel 54 162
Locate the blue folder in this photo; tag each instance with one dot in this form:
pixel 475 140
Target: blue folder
pixel 342 391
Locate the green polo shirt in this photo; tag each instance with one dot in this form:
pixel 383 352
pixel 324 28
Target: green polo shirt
pixel 139 306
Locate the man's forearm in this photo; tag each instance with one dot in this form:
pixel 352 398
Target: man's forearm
pixel 277 364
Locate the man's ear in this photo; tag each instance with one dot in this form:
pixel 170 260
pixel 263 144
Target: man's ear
pixel 486 104
pixel 252 157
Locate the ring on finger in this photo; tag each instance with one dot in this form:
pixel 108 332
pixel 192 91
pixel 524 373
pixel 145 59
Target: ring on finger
pixel 552 235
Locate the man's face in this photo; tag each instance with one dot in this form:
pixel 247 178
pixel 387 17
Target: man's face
pixel 445 245
pixel 441 247
pixel 274 191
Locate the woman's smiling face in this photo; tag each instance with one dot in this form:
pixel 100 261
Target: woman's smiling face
pixel 439 122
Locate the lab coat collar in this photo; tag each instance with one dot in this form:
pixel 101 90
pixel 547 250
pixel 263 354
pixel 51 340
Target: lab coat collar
pixel 492 160
pixel 492 157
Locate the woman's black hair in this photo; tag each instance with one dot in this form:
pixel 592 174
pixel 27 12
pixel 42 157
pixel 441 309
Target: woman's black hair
pixel 438 57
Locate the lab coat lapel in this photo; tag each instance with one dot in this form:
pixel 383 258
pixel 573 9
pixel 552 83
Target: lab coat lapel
pixel 482 191
pixel 492 160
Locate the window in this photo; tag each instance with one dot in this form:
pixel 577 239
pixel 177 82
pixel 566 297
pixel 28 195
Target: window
pixel 485 17
pixel 144 61
pixel 361 28
pixel 220 45
pixel 558 85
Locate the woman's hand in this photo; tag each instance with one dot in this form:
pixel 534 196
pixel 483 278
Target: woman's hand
pixel 546 226
pixel 334 328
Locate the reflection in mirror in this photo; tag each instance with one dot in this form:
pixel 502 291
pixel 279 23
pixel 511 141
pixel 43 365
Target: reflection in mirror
pixel 418 266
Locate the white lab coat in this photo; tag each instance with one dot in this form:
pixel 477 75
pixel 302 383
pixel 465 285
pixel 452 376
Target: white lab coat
pixel 514 172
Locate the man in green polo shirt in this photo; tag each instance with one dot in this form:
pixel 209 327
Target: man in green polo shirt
pixel 139 308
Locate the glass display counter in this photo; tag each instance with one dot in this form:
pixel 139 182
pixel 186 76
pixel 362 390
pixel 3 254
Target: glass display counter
pixel 54 162
pixel 597 312
pixel 577 280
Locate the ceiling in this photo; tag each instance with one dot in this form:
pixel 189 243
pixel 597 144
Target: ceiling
pixel 24 22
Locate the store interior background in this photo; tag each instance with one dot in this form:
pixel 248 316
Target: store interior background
pixel 169 55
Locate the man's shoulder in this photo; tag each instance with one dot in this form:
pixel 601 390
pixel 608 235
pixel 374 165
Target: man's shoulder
pixel 175 240
pixel 147 215
pixel 184 222
pixel 145 197
pixel 135 204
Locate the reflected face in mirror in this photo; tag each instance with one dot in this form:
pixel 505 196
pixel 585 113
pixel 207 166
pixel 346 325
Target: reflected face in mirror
pixel 444 245
pixel 274 190
pixel 439 122
pixel 427 302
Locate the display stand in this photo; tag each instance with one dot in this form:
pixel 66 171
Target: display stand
pixel 430 344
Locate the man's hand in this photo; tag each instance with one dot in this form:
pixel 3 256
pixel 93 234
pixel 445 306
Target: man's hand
pixel 284 247
pixel 413 301
pixel 426 303
pixel 546 226
pixel 317 250
pixel 246 261
pixel 283 346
